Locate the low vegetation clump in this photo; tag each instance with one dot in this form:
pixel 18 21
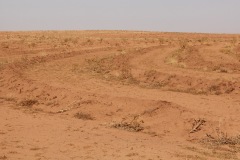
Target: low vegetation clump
pixel 83 116
pixel 221 138
pixel 132 126
pixel 106 67
pixel 28 102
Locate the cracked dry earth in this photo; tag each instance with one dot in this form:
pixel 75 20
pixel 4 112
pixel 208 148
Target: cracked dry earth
pixel 119 95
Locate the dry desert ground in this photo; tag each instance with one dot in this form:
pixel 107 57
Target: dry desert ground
pixel 121 95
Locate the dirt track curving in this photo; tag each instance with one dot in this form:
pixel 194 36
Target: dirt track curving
pixel 119 95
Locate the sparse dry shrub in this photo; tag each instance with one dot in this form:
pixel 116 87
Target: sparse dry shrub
pixel 161 40
pixel 133 126
pixel 150 73
pixel 151 80
pixel 83 116
pixel 212 152
pixel 183 44
pixel 28 102
pixel 221 88
pixel 214 88
pixel 226 51
pixel 105 66
pixel 234 41
pixel 221 138
pixel 99 65
pixel 126 74
pixel 178 58
pixel 203 40
pixel 70 40
pixel 89 42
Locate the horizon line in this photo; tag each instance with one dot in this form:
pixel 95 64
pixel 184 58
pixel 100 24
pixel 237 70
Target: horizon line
pixel 113 30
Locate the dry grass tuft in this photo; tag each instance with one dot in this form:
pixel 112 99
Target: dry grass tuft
pixel 132 126
pixel 221 138
pixel 28 102
pixel 183 44
pixel 83 116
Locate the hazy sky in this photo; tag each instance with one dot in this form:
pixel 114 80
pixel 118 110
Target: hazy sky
pixel 219 16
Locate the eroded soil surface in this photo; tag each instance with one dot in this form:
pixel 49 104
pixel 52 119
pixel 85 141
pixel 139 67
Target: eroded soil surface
pixel 119 95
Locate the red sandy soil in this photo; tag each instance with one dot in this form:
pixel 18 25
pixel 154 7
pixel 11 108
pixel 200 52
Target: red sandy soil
pixel 119 95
